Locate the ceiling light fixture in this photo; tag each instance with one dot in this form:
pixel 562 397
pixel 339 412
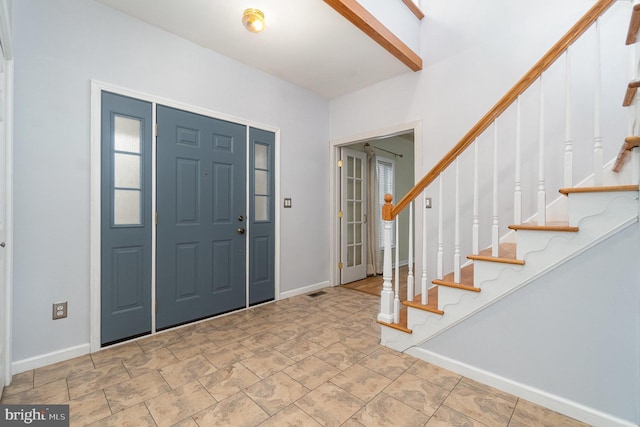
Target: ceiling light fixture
pixel 253 20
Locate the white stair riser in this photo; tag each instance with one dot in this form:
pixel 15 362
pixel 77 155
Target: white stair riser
pixel 448 296
pixel 584 205
pixel 536 240
pixel 488 270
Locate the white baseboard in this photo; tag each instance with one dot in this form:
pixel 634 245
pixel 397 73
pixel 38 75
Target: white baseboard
pixel 49 358
pixel 556 403
pixel 304 290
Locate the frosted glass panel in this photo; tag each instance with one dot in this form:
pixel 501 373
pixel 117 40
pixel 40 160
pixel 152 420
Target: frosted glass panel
pixel 262 181
pixel 262 208
pixel 261 156
pixel 126 134
pixel 126 207
pixel 127 170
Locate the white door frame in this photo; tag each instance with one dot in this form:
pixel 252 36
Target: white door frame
pixel 7 52
pixel 95 217
pixel 334 195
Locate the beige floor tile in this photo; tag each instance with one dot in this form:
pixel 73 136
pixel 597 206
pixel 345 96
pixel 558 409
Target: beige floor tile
pixel 291 416
pixel 311 372
pixel 62 370
pixel 298 349
pixel 237 410
pixel 323 336
pixel 144 363
pixel 267 363
pixel 162 339
pixel 224 336
pixel 261 342
pixel 329 405
pixel 480 405
pixel 189 422
pixel 228 381
pixel 447 417
pixel 184 371
pixel 421 395
pixel 191 346
pixel 363 383
pixel 488 389
pixel 136 416
pixel 290 331
pixel 435 374
pixel 530 414
pixel 228 354
pixel 19 383
pixel 115 354
pixel 88 381
pixel 386 363
pixel 135 390
pixel 175 406
pixel 51 393
pixel 340 356
pixel 385 411
pixel 88 408
pixel 363 343
pixel 276 392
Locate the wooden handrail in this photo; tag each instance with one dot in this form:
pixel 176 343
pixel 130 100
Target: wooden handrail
pixel 510 97
pixel 413 7
pixel 634 25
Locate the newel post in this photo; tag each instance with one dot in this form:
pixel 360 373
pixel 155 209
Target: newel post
pixel 386 297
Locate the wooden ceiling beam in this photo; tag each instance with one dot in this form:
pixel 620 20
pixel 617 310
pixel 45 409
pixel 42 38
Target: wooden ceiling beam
pixel 367 23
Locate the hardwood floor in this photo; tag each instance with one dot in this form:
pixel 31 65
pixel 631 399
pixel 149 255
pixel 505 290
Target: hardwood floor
pixel 373 284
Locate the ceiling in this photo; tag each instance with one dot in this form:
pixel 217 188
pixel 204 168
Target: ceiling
pixel 305 42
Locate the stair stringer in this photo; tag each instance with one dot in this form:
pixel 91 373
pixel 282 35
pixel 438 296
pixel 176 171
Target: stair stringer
pixel 550 250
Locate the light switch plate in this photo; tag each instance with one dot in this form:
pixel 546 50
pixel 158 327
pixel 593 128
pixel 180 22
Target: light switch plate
pixel 287 202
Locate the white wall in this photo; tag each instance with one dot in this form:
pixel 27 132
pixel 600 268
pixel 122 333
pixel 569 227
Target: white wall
pixel 572 333
pixel 60 46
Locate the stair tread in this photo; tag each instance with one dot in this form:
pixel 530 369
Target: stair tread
pixel 402 324
pixel 549 226
pixel 602 189
pixel 466 280
pixel 432 302
pixel 506 254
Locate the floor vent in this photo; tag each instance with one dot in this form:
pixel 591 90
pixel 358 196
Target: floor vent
pixel 316 294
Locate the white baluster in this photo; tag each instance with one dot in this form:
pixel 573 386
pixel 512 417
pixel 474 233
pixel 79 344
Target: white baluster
pixel 440 260
pixel 386 296
pixel 456 252
pixel 568 141
pixel 410 279
pixel 495 229
pixel 396 300
pixel 424 299
pixel 597 133
pixel 517 193
pixel 542 198
pixel 475 228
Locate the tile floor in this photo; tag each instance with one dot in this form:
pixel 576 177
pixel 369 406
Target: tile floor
pixel 305 361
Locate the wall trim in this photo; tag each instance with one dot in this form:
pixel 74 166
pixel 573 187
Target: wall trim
pixel 50 358
pixel 304 290
pixel 548 400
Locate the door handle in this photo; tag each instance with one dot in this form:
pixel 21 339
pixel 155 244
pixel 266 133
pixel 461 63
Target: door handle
pixel 2 245
pixel 240 230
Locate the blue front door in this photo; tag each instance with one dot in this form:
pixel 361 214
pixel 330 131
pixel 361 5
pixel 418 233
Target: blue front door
pixel 126 222
pixel 201 204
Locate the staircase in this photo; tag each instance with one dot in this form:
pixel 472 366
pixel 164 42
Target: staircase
pixel 581 216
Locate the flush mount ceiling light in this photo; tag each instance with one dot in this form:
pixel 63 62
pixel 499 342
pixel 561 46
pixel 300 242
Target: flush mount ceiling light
pixel 253 20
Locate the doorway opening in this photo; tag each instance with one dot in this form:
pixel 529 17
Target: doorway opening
pixel 367 169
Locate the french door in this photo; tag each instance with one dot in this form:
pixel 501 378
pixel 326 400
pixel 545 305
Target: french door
pixel 353 235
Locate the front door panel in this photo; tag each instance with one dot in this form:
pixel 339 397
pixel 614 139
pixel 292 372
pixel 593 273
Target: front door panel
pixel 125 218
pixel 201 196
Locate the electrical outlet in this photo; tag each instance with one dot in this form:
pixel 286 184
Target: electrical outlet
pixel 59 310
